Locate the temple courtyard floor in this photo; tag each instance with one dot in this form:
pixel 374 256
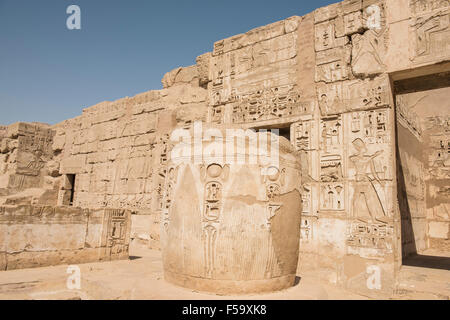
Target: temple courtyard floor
pixel 141 277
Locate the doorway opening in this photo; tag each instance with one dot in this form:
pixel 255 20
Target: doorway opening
pixel 282 131
pixel 423 168
pixel 70 189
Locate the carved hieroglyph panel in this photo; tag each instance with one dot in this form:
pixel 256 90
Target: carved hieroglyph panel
pixel 167 195
pixel 370 229
pixel 35 148
pixel 340 97
pixel 214 175
pixel 407 117
pixel 307 227
pixel 333 64
pixel 116 233
pixel 305 135
pixel 430 35
pixel 376 236
pixel 369 143
pixel 438 147
pixel 326 36
pixel 253 76
pixel 331 149
pixel 268 104
pixel 425 6
pixel 365 25
pixel 368 52
pixel 332 197
pixel 369 47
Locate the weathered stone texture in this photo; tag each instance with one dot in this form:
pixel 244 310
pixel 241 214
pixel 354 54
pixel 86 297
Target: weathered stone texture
pixel 374 175
pixel 36 236
pixel 232 228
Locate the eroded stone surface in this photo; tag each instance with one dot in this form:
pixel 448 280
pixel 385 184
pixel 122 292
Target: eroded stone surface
pixel 232 228
pixel 374 163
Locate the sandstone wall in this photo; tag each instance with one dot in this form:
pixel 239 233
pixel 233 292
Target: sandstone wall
pixel 423 134
pixel 437 166
pixel 323 76
pixel 327 79
pixel 118 150
pixel 36 236
pixel 27 172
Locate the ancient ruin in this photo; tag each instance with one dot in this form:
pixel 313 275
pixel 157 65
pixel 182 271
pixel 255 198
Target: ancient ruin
pixel 359 93
pixel 229 227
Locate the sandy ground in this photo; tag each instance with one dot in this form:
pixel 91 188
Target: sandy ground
pixel 141 277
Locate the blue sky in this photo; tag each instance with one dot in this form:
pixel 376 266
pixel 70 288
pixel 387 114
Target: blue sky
pixel 49 73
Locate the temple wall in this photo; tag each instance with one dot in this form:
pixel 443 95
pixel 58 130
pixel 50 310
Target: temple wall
pixel 326 78
pixel 336 98
pixel 118 152
pixel 27 170
pixel 36 236
pixel 423 134
pixel 437 181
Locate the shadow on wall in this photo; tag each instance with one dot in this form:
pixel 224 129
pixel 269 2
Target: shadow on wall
pixel 424 261
pixel 408 242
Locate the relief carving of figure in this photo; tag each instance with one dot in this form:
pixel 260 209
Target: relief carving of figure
pixel 37 164
pixel 366 202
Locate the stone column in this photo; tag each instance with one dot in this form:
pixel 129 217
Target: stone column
pixel 232 227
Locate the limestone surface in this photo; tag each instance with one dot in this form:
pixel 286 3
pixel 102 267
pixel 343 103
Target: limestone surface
pixel 360 89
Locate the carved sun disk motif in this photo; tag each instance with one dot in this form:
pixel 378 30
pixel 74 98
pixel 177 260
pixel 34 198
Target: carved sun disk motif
pixel 273 173
pixel 214 170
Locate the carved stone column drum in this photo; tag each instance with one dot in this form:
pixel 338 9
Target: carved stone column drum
pixel 232 227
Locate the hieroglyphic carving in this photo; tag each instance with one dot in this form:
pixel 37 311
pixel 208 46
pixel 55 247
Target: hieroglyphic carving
pixel 161 178
pixel 325 37
pixel 216 114
pixel 366 203
pixel 167 199
pixel 333 64
pixel 39 140
pixel 424 6
pixel 370 44
pixel 213 175
pixel 370 235
pixel 34 144
pixel 430 34
pixel 304 135
pixel 266 104
pixel 413 172
pixel 33 166
pixel 164 149
pixel 331 144
pixel 306 230
pixel 332 196
pixel 373 128
pixel 407 117
pixel 274 181
pixel 340 97
pixel 353 22
pixel 438 129
pixel 307 199
pixel 333 55
pixel 330 98
pixel 368 52
pixel 331 134
pixel 116 224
